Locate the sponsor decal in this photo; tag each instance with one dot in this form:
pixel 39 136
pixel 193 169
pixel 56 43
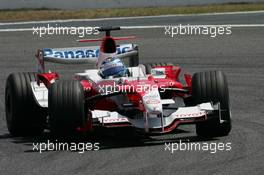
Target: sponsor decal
pixel 114 120
pixel 72 53
pixel 188 115
pixel 158 71
pixel 153 101
pixel 151 96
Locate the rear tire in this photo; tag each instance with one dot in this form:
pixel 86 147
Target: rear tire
pixel 66 108
pixel 23 115
pixel 212 86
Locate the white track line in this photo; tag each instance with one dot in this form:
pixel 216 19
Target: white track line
pixel 213 25
pixel 123 18
pixel 150 27
pixel 16 30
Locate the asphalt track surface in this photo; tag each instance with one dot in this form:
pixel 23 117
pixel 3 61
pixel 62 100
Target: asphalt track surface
pixel 239 55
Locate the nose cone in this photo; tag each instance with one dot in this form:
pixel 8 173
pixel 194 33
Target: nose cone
pixel 152 102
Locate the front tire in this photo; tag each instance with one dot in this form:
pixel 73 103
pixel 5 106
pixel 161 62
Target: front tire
pixel 66 108
pixel 212 86
pixel 23 115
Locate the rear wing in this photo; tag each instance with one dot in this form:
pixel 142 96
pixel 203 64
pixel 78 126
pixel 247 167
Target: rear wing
pixel 83 55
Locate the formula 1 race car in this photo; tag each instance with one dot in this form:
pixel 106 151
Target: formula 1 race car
pixel 150 98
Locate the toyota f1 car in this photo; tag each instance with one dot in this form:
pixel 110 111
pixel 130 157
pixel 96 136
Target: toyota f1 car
pixel 150 99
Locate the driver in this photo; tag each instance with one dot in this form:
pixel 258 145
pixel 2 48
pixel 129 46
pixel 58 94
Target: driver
pixel 113 67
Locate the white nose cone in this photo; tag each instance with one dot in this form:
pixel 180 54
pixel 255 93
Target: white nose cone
pixel 152 101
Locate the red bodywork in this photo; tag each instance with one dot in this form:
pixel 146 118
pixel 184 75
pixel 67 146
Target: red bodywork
pixel 91 89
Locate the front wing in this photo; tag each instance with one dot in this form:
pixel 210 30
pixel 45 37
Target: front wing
pixel 163 123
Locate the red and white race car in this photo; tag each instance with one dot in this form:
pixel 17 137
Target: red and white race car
pixel 150 99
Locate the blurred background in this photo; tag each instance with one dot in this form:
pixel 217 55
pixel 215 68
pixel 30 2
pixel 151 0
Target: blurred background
pixel 81 4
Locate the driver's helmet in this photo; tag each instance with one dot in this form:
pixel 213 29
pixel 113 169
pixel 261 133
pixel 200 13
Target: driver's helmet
pixel 113 67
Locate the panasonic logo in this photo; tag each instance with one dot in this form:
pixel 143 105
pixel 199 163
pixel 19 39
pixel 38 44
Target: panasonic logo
pixel 77 53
